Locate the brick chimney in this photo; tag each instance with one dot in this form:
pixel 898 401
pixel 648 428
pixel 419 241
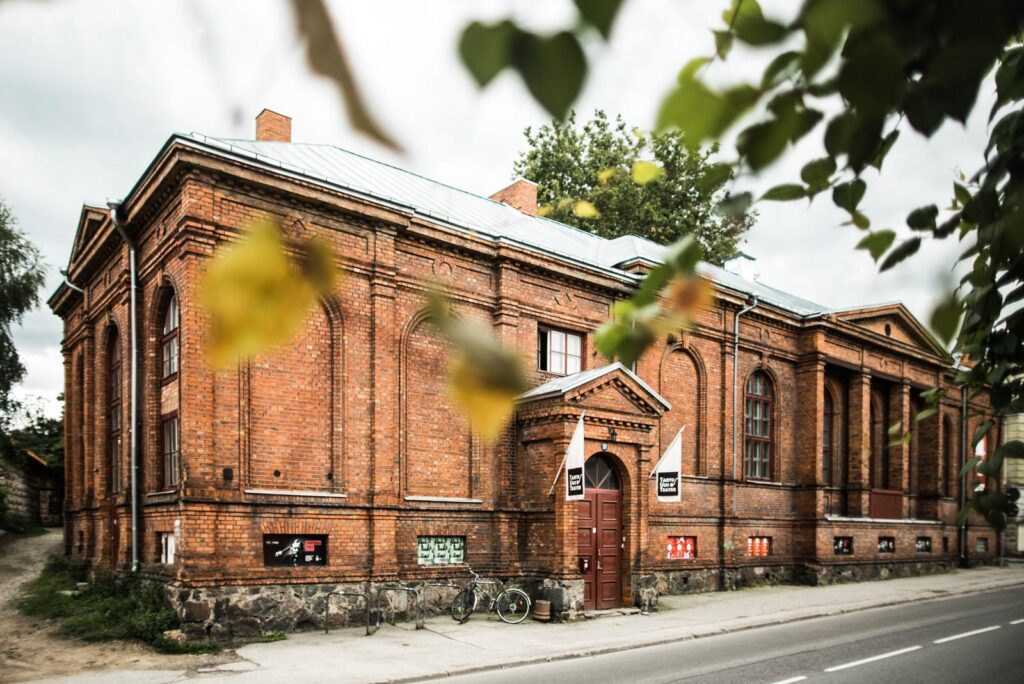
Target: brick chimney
pixel 273 126
pixel 521 195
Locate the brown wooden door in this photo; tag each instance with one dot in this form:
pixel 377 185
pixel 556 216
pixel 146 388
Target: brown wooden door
pixel 599 539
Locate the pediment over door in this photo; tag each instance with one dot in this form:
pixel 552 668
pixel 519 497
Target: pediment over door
pixel 612 388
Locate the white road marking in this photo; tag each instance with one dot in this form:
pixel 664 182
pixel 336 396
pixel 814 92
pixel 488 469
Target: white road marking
pixel 1017 622
pixel 965 634
pixel 792 679
pixel 872 659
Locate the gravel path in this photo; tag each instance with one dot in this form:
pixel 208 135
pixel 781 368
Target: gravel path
pixel 21 559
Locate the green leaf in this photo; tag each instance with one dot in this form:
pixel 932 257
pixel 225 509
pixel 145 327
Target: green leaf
pixel 969 465
pixel 701 113
pixel 923 218
pixel 887 142
pixel 762 143
pixel 962 194
pixel 848 195
pixel 818 172
pixel 735 206
pixel 714 177
pixel 487 49
pixel 599 13
pixel 860 220
pixel 723 43
pixel 945 318
pixel 925 414
pixel 758 31
pixel 980 432
pixel 553 69
pixel 785 193
pixel 903 250
pixel 825 21
pixel 780 69
pixel 871 76
pixel 877 243
pixel 644 172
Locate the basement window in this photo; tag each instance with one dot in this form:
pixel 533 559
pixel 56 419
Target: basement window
pixel 923 544
pixel 887 545
pixel 165 542
pixel 759 546
pixel 842 546
pixel 558 351
pixel 981 545
pixel 440 550
pixel 681 547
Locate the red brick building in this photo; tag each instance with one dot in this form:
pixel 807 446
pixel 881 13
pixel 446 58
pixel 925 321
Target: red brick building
pixel 346 440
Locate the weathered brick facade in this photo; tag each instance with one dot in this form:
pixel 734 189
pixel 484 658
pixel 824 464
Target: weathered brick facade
pixel 348 432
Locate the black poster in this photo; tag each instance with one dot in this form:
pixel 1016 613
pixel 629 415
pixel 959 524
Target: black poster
pixel 575 476
pixel 294 550
pixel 668 484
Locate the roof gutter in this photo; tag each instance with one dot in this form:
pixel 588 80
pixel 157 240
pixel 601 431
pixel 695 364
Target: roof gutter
pixel 117 217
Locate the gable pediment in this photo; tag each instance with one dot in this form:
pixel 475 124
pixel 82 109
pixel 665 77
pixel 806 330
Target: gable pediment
pixel 895 322
pixel 612 388
pixel 89 223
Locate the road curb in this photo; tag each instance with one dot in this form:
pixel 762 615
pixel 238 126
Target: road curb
pixel 768 622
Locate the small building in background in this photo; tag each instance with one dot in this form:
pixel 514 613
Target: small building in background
pixel 33 493
pixel 1013 537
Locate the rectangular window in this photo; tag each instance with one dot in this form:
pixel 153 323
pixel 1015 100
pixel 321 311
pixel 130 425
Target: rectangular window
pixel 759 546
pixel 682 547
pixel 923 544
pixel 558 351
pixel 440 550
pixel 165 543
pixel 170 355
pixel 842 546
pixel 171 451
pixel 981 545
pixel 887 545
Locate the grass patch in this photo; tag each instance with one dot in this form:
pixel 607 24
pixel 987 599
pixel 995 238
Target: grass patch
pixel 111 607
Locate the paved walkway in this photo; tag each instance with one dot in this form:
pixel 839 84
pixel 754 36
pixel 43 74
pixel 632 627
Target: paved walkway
pixel 402 653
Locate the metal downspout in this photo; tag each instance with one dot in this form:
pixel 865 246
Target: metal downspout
pixel 115 217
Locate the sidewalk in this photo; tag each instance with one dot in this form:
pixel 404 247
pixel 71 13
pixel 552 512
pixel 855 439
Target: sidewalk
pixel 403 654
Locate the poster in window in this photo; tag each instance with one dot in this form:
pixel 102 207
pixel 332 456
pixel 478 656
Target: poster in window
pixel 923 544
pixel 294 550
pixel 681 547
pixel 842 546
pixel 440 550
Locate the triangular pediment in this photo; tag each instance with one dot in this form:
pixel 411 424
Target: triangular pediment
pixel 895 322
pixel 612 388
pixel 89 222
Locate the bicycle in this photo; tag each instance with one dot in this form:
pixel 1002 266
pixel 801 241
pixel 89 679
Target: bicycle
pixel 511 605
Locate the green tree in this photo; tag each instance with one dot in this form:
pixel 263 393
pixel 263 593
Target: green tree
pixel 884 66
pixel 643 184
pixel 42 435
pixel 22 273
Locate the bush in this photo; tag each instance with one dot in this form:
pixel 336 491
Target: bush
pixel 111 607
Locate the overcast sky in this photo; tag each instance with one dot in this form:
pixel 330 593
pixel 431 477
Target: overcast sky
pixel 90 89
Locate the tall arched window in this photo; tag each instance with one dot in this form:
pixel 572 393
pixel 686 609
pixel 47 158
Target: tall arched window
pixel 114 410
pixel 827 430
pixel 757 413
pixel 879 441
pixel 169 343
pixel 949 474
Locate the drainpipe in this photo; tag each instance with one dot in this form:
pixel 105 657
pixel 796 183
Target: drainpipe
pixel 736 372
pixel 67 281
pixel 133 276
pixel 962 532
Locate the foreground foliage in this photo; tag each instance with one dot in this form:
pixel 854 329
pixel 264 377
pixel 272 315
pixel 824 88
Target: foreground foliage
pixel 109 608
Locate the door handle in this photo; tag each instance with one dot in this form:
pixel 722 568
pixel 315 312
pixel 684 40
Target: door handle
pixel 599 564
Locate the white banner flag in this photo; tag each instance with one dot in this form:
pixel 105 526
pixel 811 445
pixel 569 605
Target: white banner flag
pixel 574 457
pixel 669 468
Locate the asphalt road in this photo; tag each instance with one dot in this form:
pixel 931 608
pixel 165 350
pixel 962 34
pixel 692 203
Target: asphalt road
pixel 974 638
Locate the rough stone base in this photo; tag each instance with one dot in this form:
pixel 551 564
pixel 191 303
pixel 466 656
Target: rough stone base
pixel 246 612
pixel 647 588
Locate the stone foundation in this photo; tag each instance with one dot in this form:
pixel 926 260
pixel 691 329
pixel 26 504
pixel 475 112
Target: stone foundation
pixel 245 612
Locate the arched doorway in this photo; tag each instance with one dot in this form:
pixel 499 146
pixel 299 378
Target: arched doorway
pixel 599 535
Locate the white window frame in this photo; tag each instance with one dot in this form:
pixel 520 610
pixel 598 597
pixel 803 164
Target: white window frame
pixel 559 352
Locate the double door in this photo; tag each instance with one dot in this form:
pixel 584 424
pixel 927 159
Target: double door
pixel 599 540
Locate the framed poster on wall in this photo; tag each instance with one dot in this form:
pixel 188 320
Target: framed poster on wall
pixel 294 550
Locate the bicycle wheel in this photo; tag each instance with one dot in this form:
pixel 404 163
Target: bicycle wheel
pixel 463 605
pixel 513 605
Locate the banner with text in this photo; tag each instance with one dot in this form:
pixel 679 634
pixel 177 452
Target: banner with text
pixel 669 468
pixel 574 457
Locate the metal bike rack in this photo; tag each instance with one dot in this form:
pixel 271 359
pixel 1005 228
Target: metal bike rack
pixel 366 600
pixel 444 584
pixel 408 590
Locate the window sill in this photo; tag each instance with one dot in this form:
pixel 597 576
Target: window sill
pixel 443 499
pixel 169 379
pixel 297 493
pixel 755 481
pixel 163 492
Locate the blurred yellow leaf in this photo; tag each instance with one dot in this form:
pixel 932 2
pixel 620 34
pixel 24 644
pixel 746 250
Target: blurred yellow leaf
pixel 544 210
pixel 256 296
pixel 689 294
pixel 585 210
pixel 644 172
pixel 483 378
pixel 605 175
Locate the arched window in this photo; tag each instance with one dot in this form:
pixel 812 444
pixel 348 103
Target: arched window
pixel 169 343
pixel 827 430
pixel 757 414
pixel 949 474
pixel 114 386
pixel 880 476
pixel 599 473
